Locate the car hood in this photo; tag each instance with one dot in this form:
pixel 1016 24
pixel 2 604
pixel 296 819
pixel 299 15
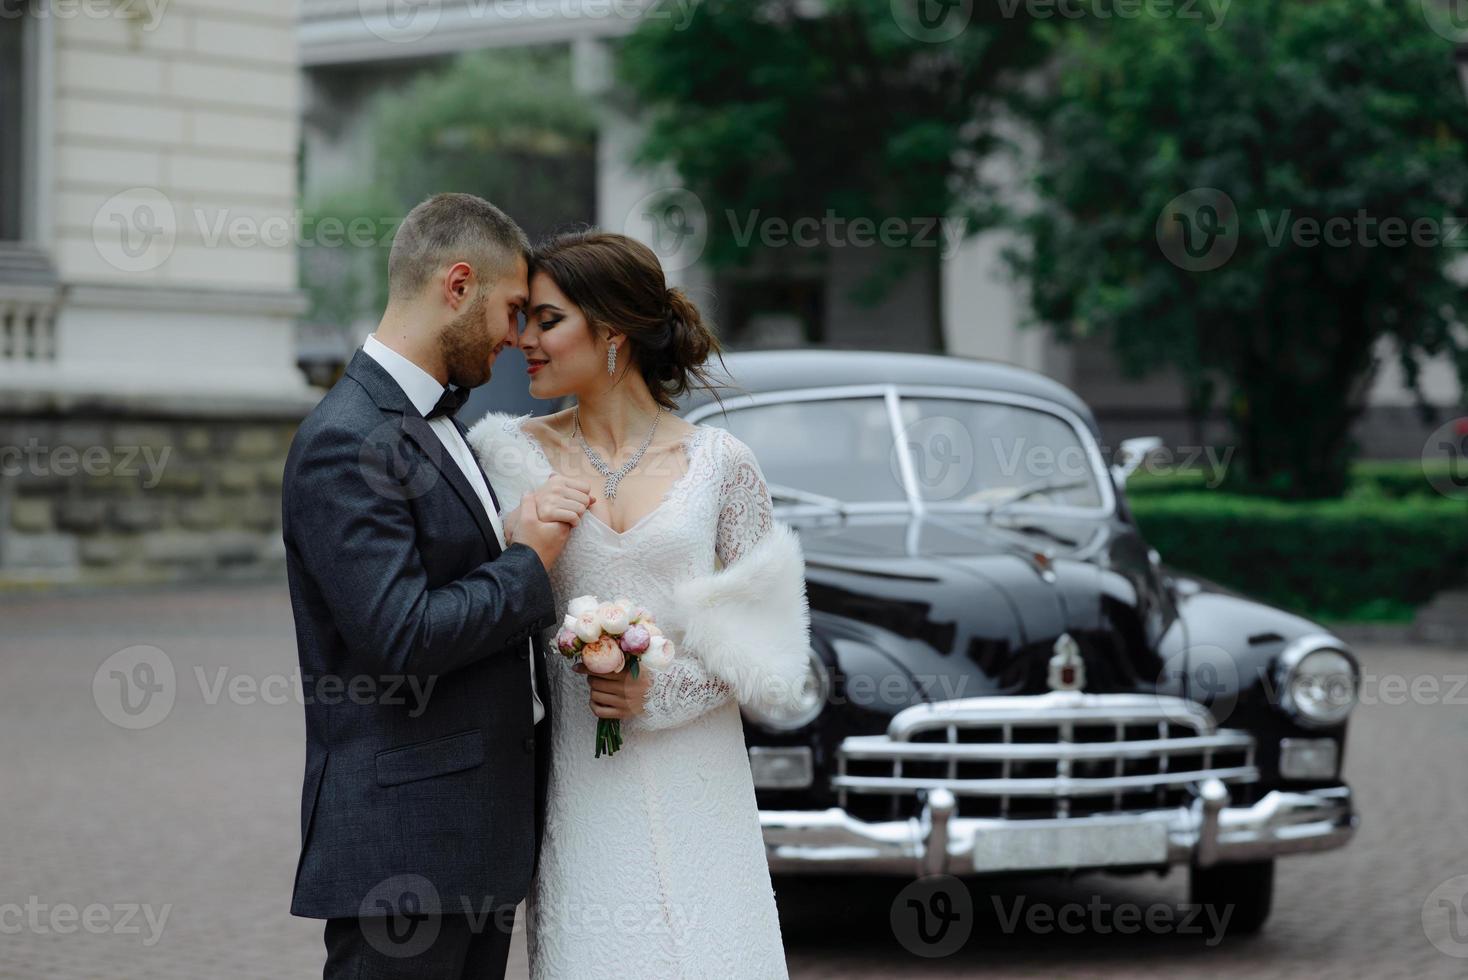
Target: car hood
pixel 964 608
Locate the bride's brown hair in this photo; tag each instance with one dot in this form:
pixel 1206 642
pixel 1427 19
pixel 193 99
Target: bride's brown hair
pixel 618 282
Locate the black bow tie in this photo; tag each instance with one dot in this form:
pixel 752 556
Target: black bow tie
pixel 449 403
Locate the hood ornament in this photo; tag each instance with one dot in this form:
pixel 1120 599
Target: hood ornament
pixel 1067 669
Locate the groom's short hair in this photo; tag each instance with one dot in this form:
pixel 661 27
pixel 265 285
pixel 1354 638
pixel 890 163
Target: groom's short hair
pixel 452 228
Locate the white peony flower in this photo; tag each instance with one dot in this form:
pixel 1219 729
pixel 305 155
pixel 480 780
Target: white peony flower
pixel 569 623
pixel 581 604
pixel 613 618
pixel 588 627
pixel 659 653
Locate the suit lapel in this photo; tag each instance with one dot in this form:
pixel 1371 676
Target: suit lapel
pixel 389 397
pixel 423 436
pixel 464 434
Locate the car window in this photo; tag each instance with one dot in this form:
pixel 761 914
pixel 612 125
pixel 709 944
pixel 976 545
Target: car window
pixel 982 452
pixel 838 448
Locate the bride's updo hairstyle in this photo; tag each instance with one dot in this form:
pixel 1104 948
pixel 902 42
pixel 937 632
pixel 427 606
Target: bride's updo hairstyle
pixel 618 282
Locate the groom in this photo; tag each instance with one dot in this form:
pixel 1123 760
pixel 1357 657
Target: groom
pixel 417 627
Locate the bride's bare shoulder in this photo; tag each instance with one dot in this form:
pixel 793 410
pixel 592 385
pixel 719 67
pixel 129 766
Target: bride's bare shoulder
pixel 549 429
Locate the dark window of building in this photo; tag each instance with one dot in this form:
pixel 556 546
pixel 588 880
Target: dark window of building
pixel 12 126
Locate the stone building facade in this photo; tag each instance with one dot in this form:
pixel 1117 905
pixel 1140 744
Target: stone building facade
pixel 148 287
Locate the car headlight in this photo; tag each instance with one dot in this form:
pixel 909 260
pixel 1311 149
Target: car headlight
pixel 809 700
pixel 1317 682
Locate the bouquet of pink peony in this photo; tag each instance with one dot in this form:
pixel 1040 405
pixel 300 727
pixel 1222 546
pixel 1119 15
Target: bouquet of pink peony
pixel 604 637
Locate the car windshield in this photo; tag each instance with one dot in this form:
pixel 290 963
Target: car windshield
pixel 963 452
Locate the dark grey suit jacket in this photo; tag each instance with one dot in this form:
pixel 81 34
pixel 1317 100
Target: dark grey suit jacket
pixel 397 583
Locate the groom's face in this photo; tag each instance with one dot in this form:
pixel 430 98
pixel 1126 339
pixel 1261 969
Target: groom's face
pixel 484 327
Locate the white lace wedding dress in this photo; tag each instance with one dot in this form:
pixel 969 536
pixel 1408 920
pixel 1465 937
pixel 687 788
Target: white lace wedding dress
pixel 653 865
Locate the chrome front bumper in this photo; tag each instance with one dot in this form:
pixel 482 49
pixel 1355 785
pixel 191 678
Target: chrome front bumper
pixel 1207 832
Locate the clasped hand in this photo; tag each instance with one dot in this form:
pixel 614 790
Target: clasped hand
pixel 556 507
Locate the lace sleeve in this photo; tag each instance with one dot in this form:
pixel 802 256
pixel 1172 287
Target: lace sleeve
pixel 681 693
pixel 686 690
pixel 746 512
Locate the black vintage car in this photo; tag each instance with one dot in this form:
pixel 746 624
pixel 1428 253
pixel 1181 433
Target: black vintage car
pixel 1004 677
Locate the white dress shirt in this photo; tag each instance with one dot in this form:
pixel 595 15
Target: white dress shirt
pixel 424 391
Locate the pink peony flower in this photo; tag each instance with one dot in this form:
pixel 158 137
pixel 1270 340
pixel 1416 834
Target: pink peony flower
pixel 567 642
pixel 613 618
pixel 635 639
pixel 603 656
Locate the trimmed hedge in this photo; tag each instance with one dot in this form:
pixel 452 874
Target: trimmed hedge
pixel 1375 554
pixel 1374 478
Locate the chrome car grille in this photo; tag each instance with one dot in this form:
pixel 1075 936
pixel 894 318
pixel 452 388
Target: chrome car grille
pixel 1054 755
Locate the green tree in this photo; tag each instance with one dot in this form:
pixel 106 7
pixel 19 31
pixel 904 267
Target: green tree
pixel 506 125
pixel 1257 205
pixel 788 110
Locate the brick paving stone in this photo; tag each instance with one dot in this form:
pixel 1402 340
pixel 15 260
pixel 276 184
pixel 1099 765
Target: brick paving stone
pixel 196 818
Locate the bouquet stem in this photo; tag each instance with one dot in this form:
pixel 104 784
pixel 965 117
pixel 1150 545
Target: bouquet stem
pixel 608 736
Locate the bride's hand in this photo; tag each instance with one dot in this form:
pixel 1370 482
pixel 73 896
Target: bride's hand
pixel 559 498
pixel 617 695
pixel 563 499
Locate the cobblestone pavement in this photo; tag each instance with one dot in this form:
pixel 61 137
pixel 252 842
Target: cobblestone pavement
pixel 167 851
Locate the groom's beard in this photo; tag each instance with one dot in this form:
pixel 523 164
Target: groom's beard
pixel 467 345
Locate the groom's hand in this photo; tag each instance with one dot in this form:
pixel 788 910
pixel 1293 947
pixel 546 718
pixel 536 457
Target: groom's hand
pixel 618 695
pixel 546 538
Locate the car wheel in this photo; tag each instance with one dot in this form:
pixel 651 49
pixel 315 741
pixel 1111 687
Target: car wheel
pixel 1242 892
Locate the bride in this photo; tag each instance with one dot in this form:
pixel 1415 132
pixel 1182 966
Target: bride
pixel 652 862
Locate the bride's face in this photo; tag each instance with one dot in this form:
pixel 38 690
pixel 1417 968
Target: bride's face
pixel 563 353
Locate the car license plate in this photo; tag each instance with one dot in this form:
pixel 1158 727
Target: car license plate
pixel 1069 844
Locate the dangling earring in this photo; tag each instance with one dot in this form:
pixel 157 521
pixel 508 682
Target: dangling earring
pixel 612 359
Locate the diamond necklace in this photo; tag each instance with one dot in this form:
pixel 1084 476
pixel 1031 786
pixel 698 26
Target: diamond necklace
pixel 613 477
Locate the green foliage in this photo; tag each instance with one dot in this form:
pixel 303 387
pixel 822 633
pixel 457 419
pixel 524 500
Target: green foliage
pixel 1295 111
pixel 1389 479
pixel 506 125
pixel 1371 555
pixel 768 110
